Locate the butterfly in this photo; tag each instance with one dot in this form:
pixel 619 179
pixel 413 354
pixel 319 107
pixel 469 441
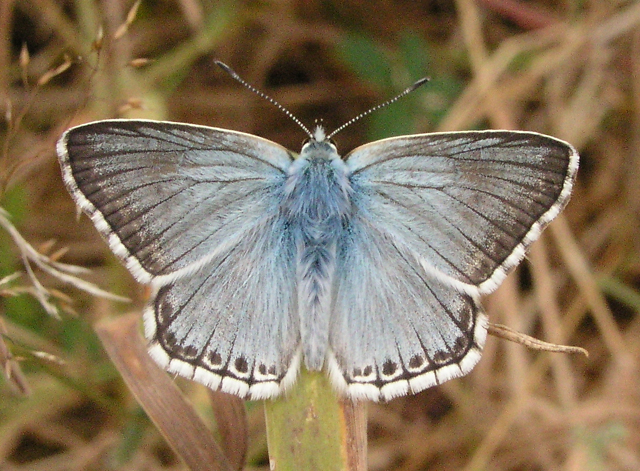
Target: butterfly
pixel 369 267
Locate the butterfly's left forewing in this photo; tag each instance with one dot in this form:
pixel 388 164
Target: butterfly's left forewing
pixel 166 196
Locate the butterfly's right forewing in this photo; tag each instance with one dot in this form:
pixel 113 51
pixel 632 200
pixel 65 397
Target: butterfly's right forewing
pixel 467 203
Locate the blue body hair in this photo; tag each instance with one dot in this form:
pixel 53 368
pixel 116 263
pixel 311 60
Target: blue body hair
pixel 317 206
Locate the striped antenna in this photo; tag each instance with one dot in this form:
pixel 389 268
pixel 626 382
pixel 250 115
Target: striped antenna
pixel 416 85
pixel 232 73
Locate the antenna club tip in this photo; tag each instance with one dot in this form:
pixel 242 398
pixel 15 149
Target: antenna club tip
pixel 225 67
pixel 420 82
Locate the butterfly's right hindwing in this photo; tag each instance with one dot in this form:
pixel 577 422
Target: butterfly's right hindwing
pixel 396 329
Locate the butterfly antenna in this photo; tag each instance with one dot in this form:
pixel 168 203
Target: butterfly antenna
pixel 232 73
pixel 416 85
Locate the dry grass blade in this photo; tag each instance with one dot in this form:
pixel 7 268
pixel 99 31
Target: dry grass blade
pixel 161 399
pixel 24 64
pixel 355 417
pixel 586 281
pixel 528 17
pixel 10 367
pixel 131 16
pixel 62 271
pixel 49 74
pixel 139 62
pixel 231 422
pixel 506 333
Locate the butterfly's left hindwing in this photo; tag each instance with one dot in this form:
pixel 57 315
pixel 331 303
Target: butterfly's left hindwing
pixel 234 325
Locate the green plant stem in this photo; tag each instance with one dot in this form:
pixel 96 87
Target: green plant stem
pixel 311 428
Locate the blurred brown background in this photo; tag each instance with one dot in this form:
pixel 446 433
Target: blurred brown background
pixel 567 68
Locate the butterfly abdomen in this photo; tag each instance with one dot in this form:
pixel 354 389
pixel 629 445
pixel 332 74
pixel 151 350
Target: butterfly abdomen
pixel 316 204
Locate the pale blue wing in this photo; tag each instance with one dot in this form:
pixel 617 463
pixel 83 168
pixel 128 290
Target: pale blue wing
pixel 196 212
pixel 233 325
pixel 169 196
pixel 436 221
pixel 395 328
pixel 467 204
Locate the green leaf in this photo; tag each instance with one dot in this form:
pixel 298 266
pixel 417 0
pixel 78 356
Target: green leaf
pixel 366 59
pixel 415 55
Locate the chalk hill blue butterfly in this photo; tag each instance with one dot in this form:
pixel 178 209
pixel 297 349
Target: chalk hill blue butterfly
pixel 369 267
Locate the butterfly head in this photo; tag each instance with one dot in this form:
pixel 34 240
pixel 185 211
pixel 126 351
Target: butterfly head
pixel 319 133
pixel 319 146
